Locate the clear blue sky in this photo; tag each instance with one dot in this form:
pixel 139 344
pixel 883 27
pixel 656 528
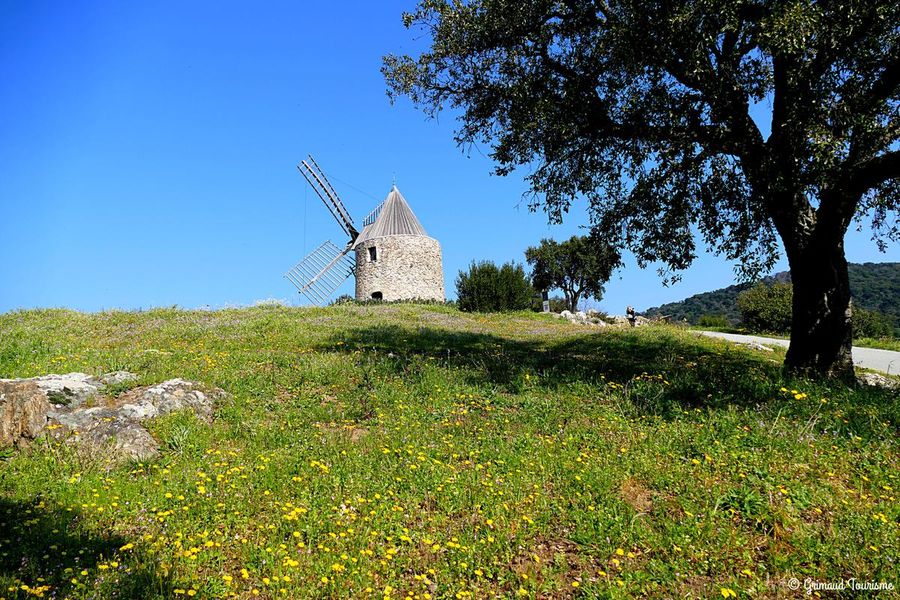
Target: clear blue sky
pixel 148 152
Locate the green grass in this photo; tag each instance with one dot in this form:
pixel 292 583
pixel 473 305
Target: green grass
pixel 411 451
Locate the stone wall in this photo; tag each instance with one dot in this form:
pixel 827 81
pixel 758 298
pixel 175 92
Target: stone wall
pixel 407 267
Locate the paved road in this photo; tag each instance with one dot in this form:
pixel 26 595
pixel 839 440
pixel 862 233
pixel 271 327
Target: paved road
pixel 886 361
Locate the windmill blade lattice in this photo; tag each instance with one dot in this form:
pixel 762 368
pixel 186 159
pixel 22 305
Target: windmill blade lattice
pixel 370 218
pixel 323 188
pixel 319 274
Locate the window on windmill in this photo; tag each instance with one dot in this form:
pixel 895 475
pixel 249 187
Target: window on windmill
pixel 373 254
pixel 377 296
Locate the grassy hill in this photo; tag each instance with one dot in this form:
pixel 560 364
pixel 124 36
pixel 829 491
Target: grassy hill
pixel 875 286
pixel 417 452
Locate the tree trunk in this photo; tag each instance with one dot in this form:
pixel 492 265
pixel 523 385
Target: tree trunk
pixel 572 298
pixel 821 324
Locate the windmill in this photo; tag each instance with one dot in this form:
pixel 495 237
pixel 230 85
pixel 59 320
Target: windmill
pixel 324 269
pixel 394 258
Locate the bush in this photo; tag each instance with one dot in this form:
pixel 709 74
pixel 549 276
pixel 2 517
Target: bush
pixel 487 288
pixel 870 324
pixel 767 308
pixel 713 321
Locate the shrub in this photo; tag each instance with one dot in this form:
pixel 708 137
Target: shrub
pixel 870 323
pixel 767 308
pixel 713 321
pixel 488 288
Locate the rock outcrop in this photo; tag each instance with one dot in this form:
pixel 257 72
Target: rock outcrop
pixel 877 380
pixel 590 317
pixel 23 412
pixel 73 408
pixel 71 389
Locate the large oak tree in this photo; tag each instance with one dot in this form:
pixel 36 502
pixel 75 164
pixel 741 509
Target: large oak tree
pixel 651 110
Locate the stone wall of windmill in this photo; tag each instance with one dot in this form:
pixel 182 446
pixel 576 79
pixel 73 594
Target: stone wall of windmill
pixel 399 267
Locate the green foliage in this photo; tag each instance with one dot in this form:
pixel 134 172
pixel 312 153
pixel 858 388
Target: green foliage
pixel 410 439
pixel 874 286
pixel 579 266
pixel 870 324
pixel 488 288
pixel 648 111
pixel 767 308
pixel 643 109
pixel 713 321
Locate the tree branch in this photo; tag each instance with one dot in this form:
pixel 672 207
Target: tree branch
pixel 874 171
pixel 889 81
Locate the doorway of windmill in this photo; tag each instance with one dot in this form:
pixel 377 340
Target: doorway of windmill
pixel 377 296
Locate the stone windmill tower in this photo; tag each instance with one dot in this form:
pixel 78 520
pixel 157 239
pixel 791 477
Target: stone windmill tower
pixel 394 259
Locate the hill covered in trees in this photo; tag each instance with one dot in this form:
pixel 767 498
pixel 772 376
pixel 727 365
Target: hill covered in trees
pixel 875 286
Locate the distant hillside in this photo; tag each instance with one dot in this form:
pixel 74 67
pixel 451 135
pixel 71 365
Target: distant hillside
pixel 875 286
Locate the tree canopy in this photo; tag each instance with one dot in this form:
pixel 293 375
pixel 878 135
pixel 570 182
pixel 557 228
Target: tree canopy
pixel 743 121
pixel 579 266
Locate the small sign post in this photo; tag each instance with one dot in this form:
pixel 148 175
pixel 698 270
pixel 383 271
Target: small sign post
pixel 545 301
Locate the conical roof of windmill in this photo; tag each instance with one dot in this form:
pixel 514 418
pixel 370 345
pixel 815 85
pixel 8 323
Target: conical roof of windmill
pixel 395 218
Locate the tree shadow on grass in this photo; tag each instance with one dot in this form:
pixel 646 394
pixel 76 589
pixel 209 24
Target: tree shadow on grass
pixel 657 372
pixel 44 545
pixel 695 375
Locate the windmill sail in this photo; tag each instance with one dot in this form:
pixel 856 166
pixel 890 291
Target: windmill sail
pixel 321 273
pixel 323 188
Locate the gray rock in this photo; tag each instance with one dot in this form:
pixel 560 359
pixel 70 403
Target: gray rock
pixel 876 380
pixel 174 395
pixel 71 389
pixel 121 438
pixel 104 433
pixel 72 420
pixel 758 346
pixel 112 427
pixel 566 314
pixel 23 412
pixel 117 377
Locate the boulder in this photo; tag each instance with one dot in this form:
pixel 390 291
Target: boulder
pixel 23 412
pixel 566 314
pixel 110 427
pixel 120 439
pixel 71 389
pixel 169 396
pixel 115 429
pixel 877 380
